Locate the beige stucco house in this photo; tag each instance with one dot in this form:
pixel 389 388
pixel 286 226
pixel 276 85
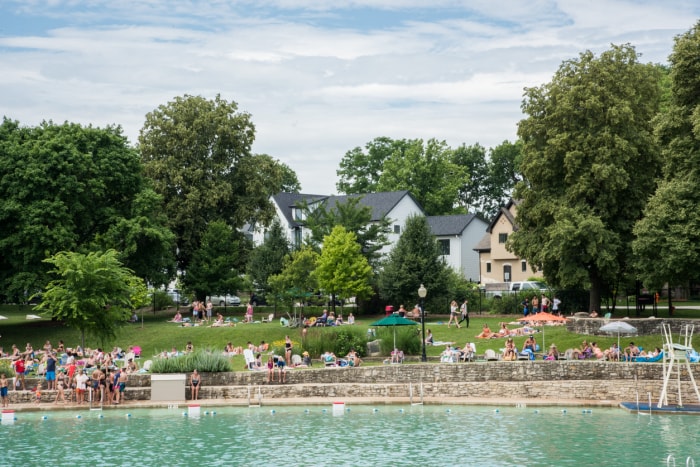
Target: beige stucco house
pixel 496 263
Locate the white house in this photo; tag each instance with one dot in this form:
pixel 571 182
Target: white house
pixel 457 236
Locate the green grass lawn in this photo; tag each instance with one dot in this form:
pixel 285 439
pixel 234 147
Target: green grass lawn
pixel 155 334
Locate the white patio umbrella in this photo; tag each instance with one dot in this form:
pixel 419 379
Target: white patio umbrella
pixel 619 327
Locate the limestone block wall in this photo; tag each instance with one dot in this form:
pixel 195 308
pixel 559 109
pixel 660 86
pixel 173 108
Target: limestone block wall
pixel 561 380
pixel 646 326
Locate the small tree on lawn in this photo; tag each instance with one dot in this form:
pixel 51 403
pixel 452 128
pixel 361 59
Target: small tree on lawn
pixel 342 270
pixel 94 293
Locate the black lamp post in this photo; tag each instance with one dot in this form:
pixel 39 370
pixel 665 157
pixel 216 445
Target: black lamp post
pixel 422 292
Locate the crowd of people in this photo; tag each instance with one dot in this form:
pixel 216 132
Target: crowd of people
pixel 71 372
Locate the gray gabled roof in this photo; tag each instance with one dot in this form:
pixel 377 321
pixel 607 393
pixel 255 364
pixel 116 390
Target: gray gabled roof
pixel 484 244
pixel 286 201
pixel 449 225
pixel 381 203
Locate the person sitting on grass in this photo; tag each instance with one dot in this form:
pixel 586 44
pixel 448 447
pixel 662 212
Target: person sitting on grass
pixel 219 321
pixel 177 318
pixel 485 332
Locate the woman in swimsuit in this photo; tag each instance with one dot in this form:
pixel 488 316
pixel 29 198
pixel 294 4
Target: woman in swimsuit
pixel 194 385
pixel 287 350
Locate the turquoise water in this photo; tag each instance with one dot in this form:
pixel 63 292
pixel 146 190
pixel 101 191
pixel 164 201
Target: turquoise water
pixel 362 435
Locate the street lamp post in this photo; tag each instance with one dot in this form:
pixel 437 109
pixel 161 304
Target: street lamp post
pixel 422 292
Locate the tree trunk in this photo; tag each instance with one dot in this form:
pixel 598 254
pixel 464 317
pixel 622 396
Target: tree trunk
pixel 594 296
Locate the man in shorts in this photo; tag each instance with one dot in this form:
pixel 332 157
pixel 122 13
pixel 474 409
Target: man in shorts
pixel 81 380
pixel 50 362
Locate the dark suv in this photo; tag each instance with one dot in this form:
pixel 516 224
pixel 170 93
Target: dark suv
pixel 256 300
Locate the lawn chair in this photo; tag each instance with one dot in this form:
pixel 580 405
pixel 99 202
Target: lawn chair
pixel 491 356
pixel 269 318
pixel 249 359
pixel 469 352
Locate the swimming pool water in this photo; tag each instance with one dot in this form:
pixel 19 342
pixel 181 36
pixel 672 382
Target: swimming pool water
pixel 362 435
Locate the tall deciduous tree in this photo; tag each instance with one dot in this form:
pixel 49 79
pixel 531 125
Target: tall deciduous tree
pixel 589 163
pixel 65 188
pixel 360 171
pixel 427 171
pixel 342 270
pixel 667 247
pixel 415 260
pixel 197 152
pixel 93 292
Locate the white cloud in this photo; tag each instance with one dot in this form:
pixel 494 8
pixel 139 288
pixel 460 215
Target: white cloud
pixel 317 84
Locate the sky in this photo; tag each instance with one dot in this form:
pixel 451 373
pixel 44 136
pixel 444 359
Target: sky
pixel 318 78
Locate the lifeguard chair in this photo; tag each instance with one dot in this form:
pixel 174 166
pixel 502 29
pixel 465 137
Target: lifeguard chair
pixel 675 355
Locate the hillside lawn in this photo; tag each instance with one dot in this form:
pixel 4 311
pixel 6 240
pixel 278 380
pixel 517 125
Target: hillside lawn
pixel 154 334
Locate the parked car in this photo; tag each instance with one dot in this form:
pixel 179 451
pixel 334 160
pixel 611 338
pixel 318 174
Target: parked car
pixel 498 290
pixel 256 300
pixel 177 297
pixel 225 300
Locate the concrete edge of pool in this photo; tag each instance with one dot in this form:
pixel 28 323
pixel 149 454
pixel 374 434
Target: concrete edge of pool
pixel 327 401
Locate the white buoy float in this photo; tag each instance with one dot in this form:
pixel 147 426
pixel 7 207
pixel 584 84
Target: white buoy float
pixel 8 417
pixel 338 408
pixel 194 410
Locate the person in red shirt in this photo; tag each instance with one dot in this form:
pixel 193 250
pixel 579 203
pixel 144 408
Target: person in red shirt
pixel 19 369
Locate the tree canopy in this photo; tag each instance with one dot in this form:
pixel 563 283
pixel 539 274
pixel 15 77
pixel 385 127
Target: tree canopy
pixel 93 292
pixel 667 247
pixel 197 152
pixel 341 269
pixel 267 259
pixel 72 188
pixel 589 164
pixel 296 280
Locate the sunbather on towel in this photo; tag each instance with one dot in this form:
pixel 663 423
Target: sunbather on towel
pixel 485 332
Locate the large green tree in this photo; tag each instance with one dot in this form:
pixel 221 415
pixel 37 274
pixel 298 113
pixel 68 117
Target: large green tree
pixel 428 172
pixel 426 169
pixel 342 270
pixel 415 260
pixel 197 152
pixel 92 292
pixel 589 164
pixel 667 247
pixel 72 188
pixel 360 171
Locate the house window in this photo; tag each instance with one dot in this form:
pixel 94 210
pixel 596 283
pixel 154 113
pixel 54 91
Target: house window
pixel 488 267
pixel 444 246
pixel 523 265
pixel 397 229
pixel 502 237
pixel 297 238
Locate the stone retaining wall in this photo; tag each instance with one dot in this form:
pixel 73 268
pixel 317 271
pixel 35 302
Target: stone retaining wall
pixel 645 327
pixel 584 380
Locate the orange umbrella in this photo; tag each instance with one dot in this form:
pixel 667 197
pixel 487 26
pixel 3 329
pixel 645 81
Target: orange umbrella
pixel 543 318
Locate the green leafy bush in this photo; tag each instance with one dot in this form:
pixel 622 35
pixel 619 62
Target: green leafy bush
pixel 408 339
pixel 338 340
pixel 6 368
pixel 202 361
